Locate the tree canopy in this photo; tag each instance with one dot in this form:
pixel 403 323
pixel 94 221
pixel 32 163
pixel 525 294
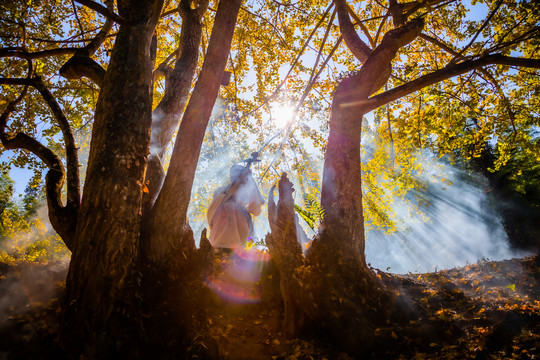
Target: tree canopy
pixel 153 91
pixel 285 52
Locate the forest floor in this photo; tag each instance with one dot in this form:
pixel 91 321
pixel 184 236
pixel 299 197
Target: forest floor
pixel 488 310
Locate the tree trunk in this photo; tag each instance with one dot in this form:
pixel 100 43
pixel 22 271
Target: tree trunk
pixel 349 300
pixel 167 115
pixel 101 283
pixel 168 216
pixel 172 281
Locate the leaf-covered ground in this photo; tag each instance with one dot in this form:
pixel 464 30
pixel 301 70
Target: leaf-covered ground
pixel 489 310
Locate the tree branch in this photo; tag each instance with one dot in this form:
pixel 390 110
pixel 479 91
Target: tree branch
pixel 396 11
pixel 168 215
pixel 96 42
pixel 379 29
pixel 362 26
pixel 377 68
pixel 169 12
pixel 102 10
pixel 488 75
pixel 411 7
pixel 447 72
pixel 321 48
pixel 439 43
pixel 530 34
pixel 77 16
pixel 19 52
pixel 72 158
pixel 359 49
pixel 81 64
pixel 16 81
pixel 505 101
pixel 486 21
pixel 62 218
pixel 276 30
pixel 277 90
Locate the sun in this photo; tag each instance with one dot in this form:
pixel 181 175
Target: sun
pixel 282 114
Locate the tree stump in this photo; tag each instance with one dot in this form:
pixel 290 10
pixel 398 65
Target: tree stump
pixel 286 253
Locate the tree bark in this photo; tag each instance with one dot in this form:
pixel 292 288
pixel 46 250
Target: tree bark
pixel 341 198
pixel 102 283
pixel 341 195
pixel 172 281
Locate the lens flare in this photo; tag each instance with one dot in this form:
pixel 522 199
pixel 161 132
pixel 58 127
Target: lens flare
pixel 235 277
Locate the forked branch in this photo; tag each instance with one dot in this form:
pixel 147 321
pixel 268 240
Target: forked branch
pixel 377 67
pixel 167 115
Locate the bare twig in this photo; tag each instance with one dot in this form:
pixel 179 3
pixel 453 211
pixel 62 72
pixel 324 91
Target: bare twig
pixel 276 30
pixel 379 30
pixel 102 10
pixel 484 24
pixel 321 48
pixel 307 90
pixel 277 90
pixel 77 16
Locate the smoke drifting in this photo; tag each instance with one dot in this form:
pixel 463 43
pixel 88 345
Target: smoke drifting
pixel 462 227
pixel 457 223
pixel 27 285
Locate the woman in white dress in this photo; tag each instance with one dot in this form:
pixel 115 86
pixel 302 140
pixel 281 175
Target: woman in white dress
pixel 229 214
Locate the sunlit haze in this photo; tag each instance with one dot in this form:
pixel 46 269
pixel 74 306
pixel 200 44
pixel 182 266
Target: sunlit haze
pixel 282 114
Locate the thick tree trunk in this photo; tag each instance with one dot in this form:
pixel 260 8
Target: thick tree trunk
pixel 352 300
pixel 341 197
pixel 101 284
pixel 172 276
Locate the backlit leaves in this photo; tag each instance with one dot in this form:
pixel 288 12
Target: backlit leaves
pixel 495 104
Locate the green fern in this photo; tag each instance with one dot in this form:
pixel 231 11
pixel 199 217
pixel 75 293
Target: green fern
pixel 313 214
pixel 307 216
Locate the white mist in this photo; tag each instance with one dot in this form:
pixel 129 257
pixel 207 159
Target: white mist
pixel 462 228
